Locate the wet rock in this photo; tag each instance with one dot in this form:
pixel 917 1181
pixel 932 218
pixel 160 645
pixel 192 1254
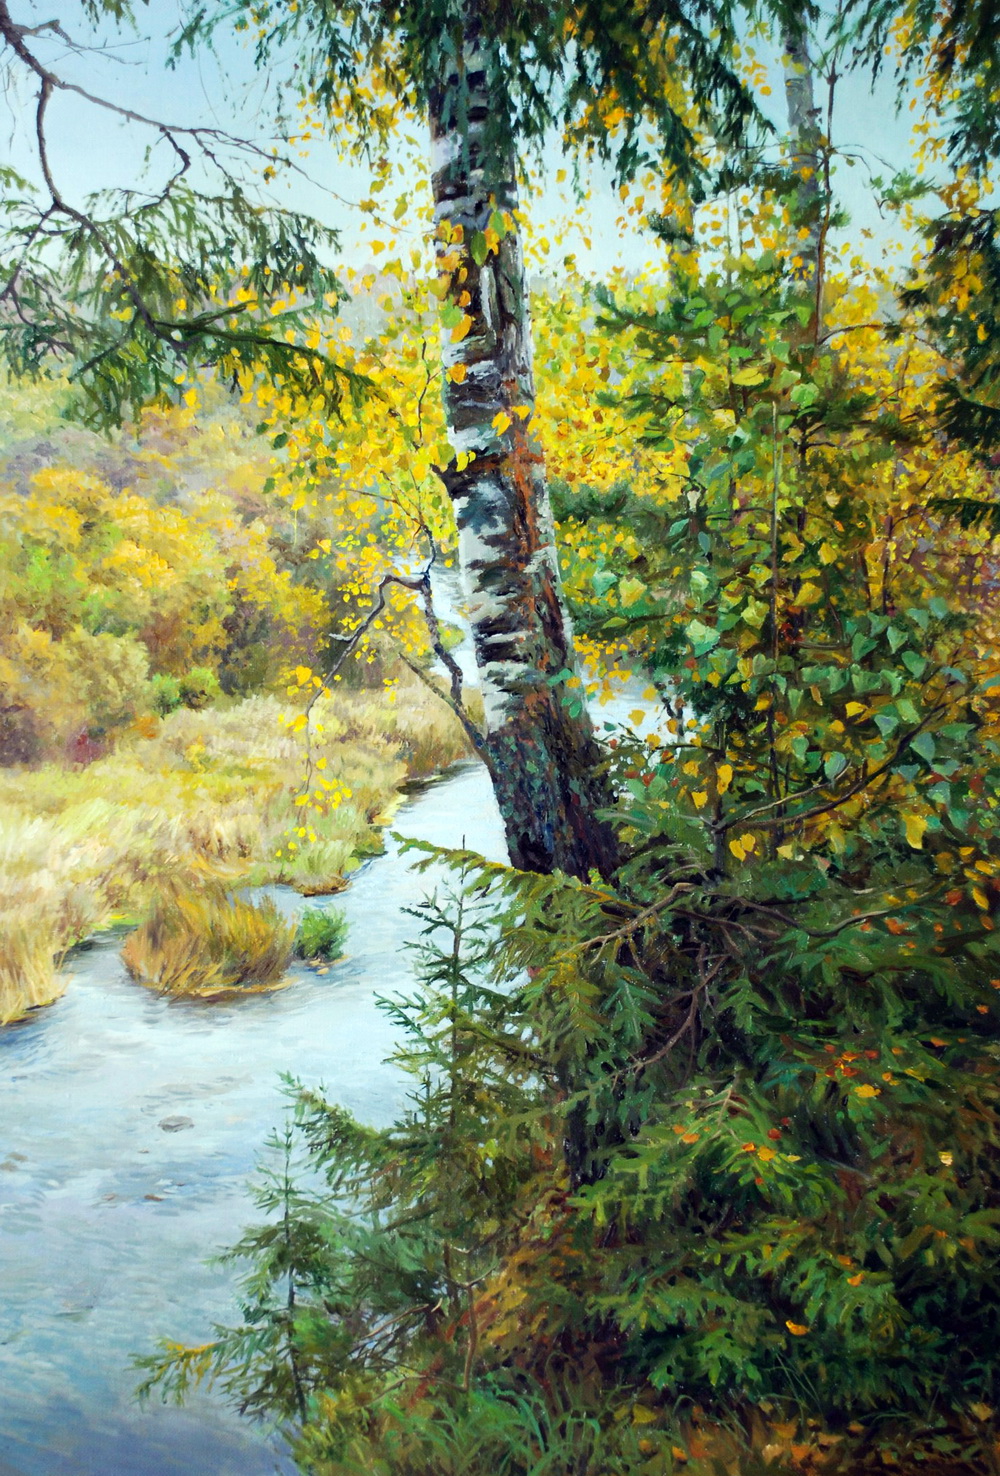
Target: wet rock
pixel 175 1124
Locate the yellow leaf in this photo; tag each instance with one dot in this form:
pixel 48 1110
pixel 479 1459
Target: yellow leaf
pixel 827 553
pixel 750 375
pixel 522 411
pixel 809 594
pixel 798 1328
pixel 700 797
pixel 636 716
pixel 725 777
pixel 302 675
pixel 915 827
pixel 501 422
pixel 457 373
pixel 867 1090
pixel 457 334
pixel 630 590
pixel 854 709
pixel 766 1154
pixel 980 898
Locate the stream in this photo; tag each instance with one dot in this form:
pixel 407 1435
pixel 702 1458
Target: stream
pixel 129 1127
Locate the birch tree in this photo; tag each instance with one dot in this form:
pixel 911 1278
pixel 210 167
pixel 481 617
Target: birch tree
pixel 546 762
pixel 489 83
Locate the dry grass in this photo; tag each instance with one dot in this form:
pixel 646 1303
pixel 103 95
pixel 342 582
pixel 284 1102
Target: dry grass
pixel 202 793
pixel 43 911
pixel 207 942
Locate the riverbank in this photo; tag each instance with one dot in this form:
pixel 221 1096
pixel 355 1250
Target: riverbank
pixel 201 791
pixel 130 1124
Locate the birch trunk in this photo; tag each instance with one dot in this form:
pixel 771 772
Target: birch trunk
pixel 804 135
pixel 545 760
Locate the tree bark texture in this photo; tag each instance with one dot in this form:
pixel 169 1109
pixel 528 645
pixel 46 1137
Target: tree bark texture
pixel 804 136
pixel 547 763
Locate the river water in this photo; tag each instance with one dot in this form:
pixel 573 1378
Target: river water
pixel 107 1216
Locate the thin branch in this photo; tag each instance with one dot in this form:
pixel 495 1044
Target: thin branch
pixel 863 782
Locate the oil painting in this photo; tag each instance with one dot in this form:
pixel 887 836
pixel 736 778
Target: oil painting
pixel 499 738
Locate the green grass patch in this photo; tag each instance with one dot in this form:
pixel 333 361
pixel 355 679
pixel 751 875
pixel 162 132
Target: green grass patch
pixel 322 934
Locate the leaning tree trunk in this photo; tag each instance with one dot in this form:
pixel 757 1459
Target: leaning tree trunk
pixel 545 761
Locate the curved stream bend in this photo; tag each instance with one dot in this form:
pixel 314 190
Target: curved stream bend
pixel 129 1126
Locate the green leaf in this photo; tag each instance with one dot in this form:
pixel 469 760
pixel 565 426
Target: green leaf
pixel 479 248
pixel 833 765
pixel 923 744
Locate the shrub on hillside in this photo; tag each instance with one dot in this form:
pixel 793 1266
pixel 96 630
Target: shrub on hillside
pixel 165 691
pixel 199 688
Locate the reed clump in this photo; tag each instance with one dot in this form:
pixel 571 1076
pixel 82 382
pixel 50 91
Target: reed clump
pixel 29 976
pixel 208 941
pixel 43 912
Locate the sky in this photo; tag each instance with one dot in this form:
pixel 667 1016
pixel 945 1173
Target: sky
pixel 91 149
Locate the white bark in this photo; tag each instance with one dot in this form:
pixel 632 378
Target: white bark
pixel 547 762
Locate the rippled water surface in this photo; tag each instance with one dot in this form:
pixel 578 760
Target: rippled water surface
pixel 107 1216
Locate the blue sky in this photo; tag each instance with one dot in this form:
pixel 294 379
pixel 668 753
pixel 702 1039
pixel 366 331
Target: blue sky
pixel 91 149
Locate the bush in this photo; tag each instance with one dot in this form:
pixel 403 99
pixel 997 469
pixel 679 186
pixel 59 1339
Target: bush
pixel 321 934
pixel 200 688
pixel 209 942
pixel 166 694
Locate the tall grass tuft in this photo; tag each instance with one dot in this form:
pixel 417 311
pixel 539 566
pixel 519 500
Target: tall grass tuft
pixel 43 912
pixel 208 942
pixel 29 976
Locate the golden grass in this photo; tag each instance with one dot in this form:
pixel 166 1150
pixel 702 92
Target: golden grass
pixel 202 793
pixel 208 942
